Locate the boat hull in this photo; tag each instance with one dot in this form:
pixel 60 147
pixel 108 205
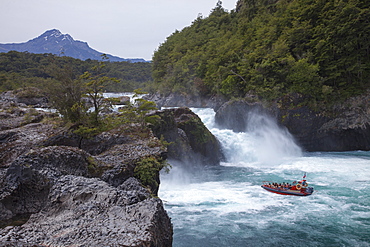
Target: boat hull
pixel 287 191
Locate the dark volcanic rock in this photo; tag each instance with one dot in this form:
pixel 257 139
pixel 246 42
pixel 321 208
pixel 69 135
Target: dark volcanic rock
pixel 51 185
pixel 51 188
pixel 88 212
pixel 16 117
pixel 95 145
pixel 344 127
pixel 17 141
pixel 25 186
pixel 191 140
pixel 35 101
pixel 25 96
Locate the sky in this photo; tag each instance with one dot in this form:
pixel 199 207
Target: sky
pixel 123 28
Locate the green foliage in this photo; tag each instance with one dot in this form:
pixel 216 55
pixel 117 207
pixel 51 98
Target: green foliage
pixel 164 143
pixel 270 48
pixel 65 95
pixel 198 130
pixel 147 170
pixel 23 69
pixel 94 86
pixel 139 111
pixel 86 131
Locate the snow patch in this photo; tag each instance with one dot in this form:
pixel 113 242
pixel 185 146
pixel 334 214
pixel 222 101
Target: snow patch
pixel 56 34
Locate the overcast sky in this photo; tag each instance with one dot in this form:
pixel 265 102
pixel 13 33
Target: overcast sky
pixel 124 28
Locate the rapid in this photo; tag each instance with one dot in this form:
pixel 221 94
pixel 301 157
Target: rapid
pixel 225 205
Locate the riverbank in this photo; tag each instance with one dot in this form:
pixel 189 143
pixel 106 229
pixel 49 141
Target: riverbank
pixel 59 189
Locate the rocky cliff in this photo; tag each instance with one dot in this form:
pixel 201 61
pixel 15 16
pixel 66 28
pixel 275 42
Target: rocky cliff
pixel 59 190
pixel 190 141
pixel 343 127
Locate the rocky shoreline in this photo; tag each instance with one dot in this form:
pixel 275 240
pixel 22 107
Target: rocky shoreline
pixel 54 193
pixel 59 189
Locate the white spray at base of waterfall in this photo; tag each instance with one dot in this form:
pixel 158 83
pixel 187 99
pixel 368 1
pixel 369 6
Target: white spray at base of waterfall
pixel 263 143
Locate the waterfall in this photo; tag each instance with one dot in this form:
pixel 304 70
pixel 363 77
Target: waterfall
pixel 262 143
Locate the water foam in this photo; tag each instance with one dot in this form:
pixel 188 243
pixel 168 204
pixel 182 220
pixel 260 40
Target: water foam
pixel 263 142
pixel 225 206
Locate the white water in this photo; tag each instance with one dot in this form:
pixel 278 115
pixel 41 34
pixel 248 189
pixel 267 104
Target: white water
pixel 225 205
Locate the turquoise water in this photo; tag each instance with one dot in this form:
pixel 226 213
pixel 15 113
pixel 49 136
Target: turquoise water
pixel 225 205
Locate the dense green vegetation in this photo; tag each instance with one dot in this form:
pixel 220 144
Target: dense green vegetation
pixel 317 48
pixel 22 69
pixel 147 170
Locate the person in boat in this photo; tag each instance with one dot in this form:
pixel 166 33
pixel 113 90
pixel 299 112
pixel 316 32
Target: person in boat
pixel 301 185
pixel 296 186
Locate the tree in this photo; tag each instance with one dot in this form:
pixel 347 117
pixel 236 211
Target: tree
pixel 143 107
pixel 22 69
pixel 270 48
pixel 65 94
pixel 94 88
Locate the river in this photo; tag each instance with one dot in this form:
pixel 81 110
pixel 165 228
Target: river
pixel 225 205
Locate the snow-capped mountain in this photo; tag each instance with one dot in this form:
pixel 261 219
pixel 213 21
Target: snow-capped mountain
pixel 53 41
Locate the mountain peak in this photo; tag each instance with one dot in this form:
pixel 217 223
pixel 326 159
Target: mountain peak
pixel 55 34
pixel 52 32
pixel 55 42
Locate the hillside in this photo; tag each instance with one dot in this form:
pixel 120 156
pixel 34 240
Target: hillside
pixel 21 69
pixel 319 49
pixel 54 42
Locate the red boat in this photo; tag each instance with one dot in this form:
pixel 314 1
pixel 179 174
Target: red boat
pixel 295 189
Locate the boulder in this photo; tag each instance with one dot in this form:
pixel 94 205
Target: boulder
pixel 29 96
pixel 26 184
pixel 88 212
pixel 51 193
pixel 123 100
pixel 191 141
pixel 15 116
pixel 17 141
pixel 94 145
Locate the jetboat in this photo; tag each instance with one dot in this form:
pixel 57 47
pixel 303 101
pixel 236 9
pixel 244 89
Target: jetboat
pixel 295 189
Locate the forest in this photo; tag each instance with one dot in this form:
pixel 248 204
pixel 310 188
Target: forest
pixel 270 48
pixel 22 69
pixel 319 49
